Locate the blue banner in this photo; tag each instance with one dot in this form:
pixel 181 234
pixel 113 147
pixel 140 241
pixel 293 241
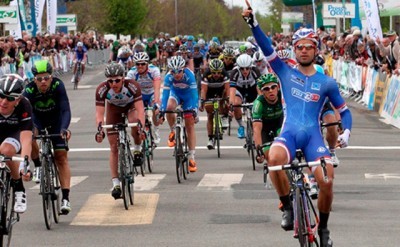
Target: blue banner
pixel 31 17
pixel 22 14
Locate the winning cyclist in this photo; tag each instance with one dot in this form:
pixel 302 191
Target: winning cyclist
pixel 215 84
pixel 267 113
pixel 16 131
pixel 80 56
pixel 148 77
pixel 51 110
pixel 243 87
pixel 122 96
pixel 304 91
pixel 180 88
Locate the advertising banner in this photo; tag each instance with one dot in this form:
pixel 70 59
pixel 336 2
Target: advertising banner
pixel 373 21
pixel 51 16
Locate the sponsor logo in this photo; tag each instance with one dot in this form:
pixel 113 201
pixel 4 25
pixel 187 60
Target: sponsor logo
pixel 305 96
pixel 315 86
pixel 297 80
pixel 321 149
pixel 280 139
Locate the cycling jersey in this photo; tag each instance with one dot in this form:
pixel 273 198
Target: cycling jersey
pixel 198 59
pixel 246 87
pixel 304 97
pixel 151 51
pixel 19 120
pixel 215 86
pixel 130 93
pixel 145 81
pixel 51 108
pixel 80 53
pixel 263 67
pixel 182 91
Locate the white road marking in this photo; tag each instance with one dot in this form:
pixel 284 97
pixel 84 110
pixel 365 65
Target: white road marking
pixel 148 182
pixel 219 181
pixel 385 176
pixel 75 119
pixel 74 181
pixel 84 86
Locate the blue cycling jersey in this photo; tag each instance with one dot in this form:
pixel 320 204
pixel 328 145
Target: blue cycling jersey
pixel 79 54
pixel 304 97
pixel 183 91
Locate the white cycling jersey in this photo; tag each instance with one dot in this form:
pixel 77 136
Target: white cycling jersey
pixel 146 80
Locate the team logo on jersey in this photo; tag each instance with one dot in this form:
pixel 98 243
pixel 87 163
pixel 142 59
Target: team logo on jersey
pixel 297 80
pixel 305 96
pixel 315 86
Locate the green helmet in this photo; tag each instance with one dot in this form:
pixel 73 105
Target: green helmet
pixel 42 66
pixel 242 48
pixel 216 65
pixel 265 79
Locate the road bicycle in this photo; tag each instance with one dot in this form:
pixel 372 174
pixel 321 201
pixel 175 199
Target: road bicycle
pixel 126 167
pixel 249 144
pixel 217 123
pixel 50 188
pixel 306 219
pixel 7 199
pixel 181 151
pixel 77 75
pixel 148 145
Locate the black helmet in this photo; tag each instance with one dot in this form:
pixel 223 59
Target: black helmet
pixel 114 69
pixel 11 85
pixel 42 66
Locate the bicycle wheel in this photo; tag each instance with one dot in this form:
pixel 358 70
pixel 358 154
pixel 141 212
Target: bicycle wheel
pixel 250 143
pixel 56 200
pixel 185 160
pixel 179 155
pixel 217 131
pixel 150 147
pixel 45 191
pixel 8 216
pixel 229 125
pixel 301 221
pixel 122 175
pixel 130 177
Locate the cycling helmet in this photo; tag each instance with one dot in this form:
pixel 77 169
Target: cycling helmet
pixel 258 56
pixel 265 79
pixel 80 44
pixel 305 33
pixel 114 69
pixel 319 68
pixel 248 45
pixel 216 65
pixel 229 52
pixel 244 61
pixel 283 54
pixel 251 39
pixel 11 85
pixel 201 42
pixel 242 48
pixel 183 48
pixel 190 38
pixel 141 57
pixel 196 47
pixel 41 66
pixel 176 63
pixel 319 60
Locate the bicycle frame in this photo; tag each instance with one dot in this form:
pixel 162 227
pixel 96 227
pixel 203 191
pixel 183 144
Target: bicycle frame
pixel 217 124
pixel 148 144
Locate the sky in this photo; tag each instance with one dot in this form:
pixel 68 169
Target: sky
pixel 257 5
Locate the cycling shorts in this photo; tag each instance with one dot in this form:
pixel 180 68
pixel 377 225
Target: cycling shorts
pixel 13 140
pixel 188 102
pixel 113 115
pixel 148 99
pixel 58 142
pixel 247 94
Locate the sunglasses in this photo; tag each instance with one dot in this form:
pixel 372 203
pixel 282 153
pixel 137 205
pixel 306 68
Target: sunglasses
pixel 228 58
pixel 216 72
pixel 111 81
pixel 247 68
pixel 176 71
pixel 308 47
pixel 267 89
pixel 41 78
pixel 8 98
pixel 141 64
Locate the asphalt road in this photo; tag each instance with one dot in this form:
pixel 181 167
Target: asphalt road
pixel 223 204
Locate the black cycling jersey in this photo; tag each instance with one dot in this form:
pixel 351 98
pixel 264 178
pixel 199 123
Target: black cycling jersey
pixel 215 86
pixel 19 120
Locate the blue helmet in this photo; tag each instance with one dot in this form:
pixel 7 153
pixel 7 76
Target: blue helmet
pixel 305 33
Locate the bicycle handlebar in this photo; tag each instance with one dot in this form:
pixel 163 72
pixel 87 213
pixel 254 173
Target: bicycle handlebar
pixel 210 100
pixel 331 124
pixel 119 125
pixel 4 158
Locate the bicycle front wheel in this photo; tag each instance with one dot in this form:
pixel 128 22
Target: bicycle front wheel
pixel 301 222
pixel 179 155
pixel 217 133
pixel 250 143
pixel 56 200
pixel 45 191
pixel 8 216
pixel 130 178
pixel 122 175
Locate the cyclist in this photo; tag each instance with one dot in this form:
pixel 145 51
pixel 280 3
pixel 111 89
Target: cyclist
pixel 267 113
pixel 152 50
pixel 51 111
pixel 215 84
pixel 122 96
pixel 124 57
pixel 243 87
pixel 16 131
pixel 304 91
pixel 214 51
pixel 80 56
pixel 228 57
pixel 148 77
pixel 261 63
pixel 180 88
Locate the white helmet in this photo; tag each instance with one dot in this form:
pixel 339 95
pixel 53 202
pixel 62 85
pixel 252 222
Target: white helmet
pixel 79 44
pixel 258 56
pixel 176 63
pixel 244 61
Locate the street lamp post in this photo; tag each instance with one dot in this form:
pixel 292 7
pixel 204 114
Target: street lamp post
pixel 176 17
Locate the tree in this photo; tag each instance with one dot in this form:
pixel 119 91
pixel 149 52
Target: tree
pixel 124 17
